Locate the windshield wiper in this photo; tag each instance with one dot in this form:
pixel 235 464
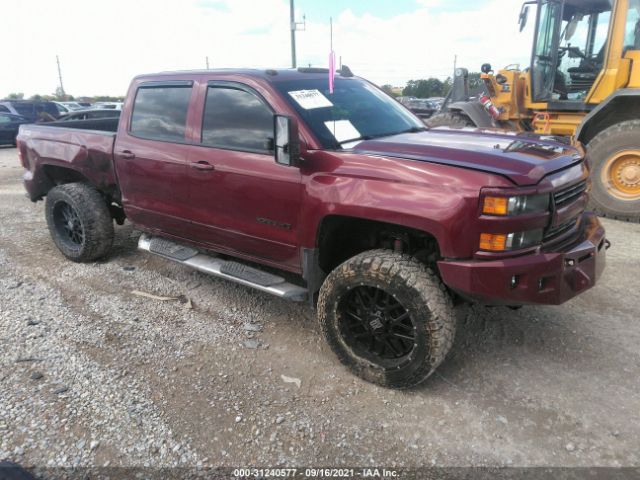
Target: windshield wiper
pixel 411 130
pixel 380 135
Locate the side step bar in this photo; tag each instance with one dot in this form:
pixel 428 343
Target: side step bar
pixel 229 270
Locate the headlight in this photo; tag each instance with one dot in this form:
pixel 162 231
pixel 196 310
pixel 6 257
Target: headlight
pixel 515 205
pixel 502 242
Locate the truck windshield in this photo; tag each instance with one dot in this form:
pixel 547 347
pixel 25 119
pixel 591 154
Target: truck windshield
pixel 356 110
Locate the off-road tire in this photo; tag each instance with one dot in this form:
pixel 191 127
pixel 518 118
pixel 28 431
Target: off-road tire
pixel 448 119
pixel 93 213
pixel 420 292
pixel 619 137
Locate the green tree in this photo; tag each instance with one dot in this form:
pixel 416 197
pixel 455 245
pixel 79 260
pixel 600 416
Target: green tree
pixel 15 96
pixel 387 88
pixel 476 84
pixel 424 88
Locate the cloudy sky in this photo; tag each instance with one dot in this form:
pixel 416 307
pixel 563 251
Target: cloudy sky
pixel 102 44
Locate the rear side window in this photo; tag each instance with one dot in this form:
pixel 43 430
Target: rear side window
pixel 4 109
pixel 24 108
pixel 160 113
pixel 237 120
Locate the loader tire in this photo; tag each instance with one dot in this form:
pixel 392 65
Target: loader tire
pixel 449 119
pixel 614 158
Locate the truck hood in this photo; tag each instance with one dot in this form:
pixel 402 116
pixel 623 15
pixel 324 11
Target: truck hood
pixel 523 158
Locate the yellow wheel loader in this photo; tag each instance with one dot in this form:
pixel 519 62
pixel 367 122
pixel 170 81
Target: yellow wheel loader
pixel 583 82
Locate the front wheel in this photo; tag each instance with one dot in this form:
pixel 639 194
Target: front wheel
pixel 79 221
pixel 387 317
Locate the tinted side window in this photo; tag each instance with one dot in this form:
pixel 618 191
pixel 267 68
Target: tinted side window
pixel 3 109
pixel 160 113
pixel 24 108
pixel 236 119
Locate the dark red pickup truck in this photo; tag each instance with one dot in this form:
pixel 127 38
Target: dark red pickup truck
pixel 344 198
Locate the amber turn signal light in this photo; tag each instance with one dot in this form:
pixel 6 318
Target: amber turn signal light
pixel 495 205
pixel 493 242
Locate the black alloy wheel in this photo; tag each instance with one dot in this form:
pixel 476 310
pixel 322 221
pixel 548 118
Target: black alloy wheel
pixel 376 325
pixel 68 224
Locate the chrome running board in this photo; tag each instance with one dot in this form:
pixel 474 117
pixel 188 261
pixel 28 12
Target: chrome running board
pixel 226 269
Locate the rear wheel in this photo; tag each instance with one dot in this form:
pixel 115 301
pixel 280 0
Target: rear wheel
pixel 79 221
pixel 387 317
pixel 614 156
pixel 448 119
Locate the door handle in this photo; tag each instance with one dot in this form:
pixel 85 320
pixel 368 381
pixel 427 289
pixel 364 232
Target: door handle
pixel 128 155
pixel 202 165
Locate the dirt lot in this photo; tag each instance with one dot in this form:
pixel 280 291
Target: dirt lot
pixel 91 374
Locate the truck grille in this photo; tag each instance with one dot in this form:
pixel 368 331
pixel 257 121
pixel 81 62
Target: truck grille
pixel 569 194
pixel 554 232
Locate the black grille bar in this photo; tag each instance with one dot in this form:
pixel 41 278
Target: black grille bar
pixel 567 195
pixel 555 232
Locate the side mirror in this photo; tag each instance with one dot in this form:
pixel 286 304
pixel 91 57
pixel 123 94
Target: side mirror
pixel 524 15
pixel 287 142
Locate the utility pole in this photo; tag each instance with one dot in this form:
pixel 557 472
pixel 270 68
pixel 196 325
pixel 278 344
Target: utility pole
pixel 293 33
pixel 60 76
pixel 293 27
pixel 207 61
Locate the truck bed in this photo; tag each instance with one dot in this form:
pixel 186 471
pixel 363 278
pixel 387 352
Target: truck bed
pixel 84 148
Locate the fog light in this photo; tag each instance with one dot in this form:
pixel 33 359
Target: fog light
pixel 500 242
pixel 514 281
pixel 493 242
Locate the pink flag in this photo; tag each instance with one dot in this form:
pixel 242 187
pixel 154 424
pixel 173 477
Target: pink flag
pixel 332 69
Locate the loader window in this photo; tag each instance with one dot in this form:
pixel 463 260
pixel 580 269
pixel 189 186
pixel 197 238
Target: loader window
pixel 544 55
pixel 580 52
pixel 632 30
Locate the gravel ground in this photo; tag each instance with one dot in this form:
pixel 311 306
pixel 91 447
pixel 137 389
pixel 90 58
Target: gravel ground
pixel 92 374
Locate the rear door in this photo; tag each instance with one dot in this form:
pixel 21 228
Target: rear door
pixel 241 200
pixel 8 129
pixel 151 156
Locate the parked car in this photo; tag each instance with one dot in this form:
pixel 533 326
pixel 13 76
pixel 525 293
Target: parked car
pixel 421 107
pixel 90 114
pixel 68 107
pixel 371 217
pixel 32 110
pixel 108 105
pixel 9 125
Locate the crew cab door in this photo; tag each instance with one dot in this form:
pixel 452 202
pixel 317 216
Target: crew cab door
pixel 151 153
pixel 241 200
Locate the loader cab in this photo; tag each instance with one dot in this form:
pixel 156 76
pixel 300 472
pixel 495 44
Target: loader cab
pixel 569 48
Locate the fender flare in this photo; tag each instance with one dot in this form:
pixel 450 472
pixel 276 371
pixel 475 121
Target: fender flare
pixel 599 111
pixel 475 111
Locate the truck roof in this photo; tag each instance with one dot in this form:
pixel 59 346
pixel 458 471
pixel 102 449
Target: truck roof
pixel 269 74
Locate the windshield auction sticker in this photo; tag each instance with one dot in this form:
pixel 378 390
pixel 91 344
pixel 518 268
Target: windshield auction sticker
pixel 310 99
pixel 342 130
